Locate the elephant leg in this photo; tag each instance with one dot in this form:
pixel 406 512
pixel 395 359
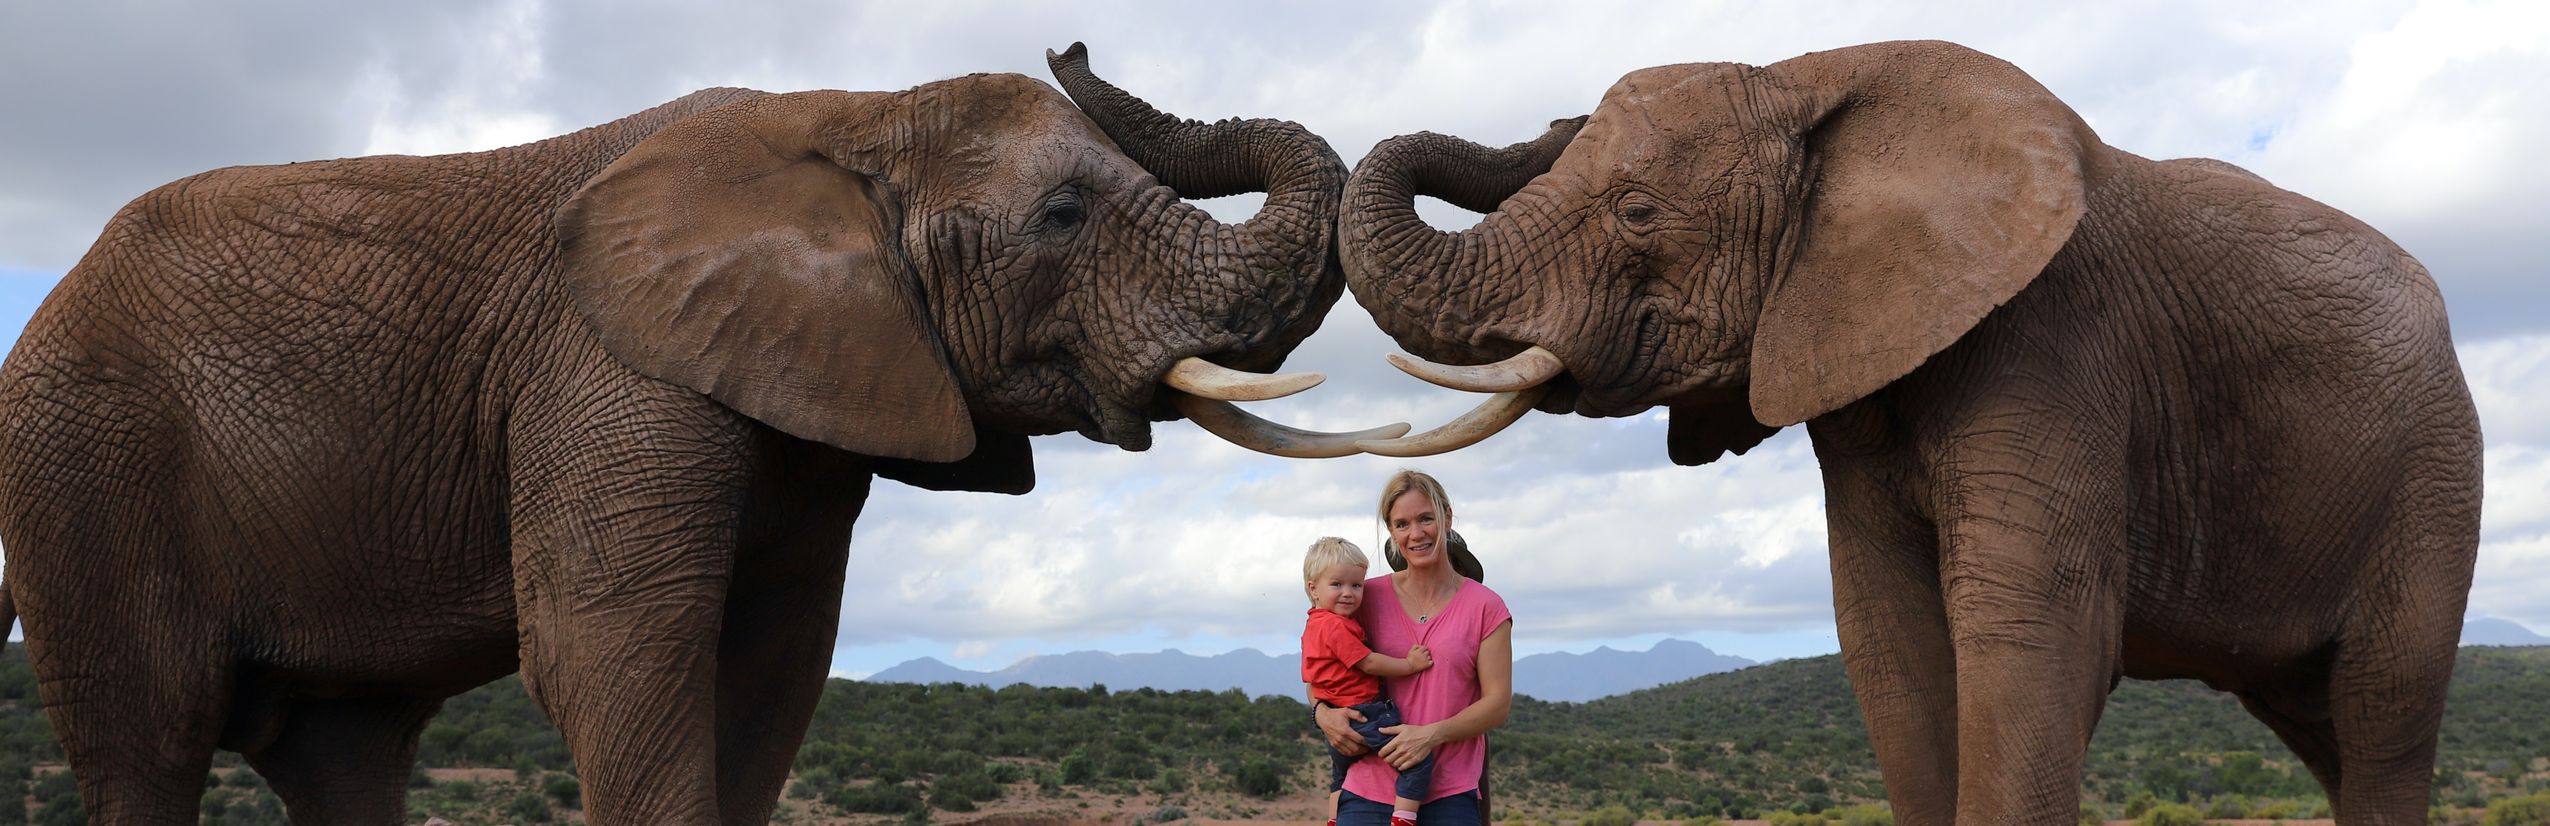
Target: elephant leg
pixel 139 724
pixel 346 760
pixel 773 656
pixel 2301 720
pixel 136 679
pixel 628 673
pixel 2386 701
pixel 1894 634
pixel 625 525
pixel 2031 565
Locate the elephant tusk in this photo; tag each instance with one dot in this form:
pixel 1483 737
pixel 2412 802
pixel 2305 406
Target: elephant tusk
pixel 1239 427
pixel 1197 377
pixel 1473 427
pixel 1525 369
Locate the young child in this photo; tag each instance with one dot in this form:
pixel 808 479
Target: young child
pixel 1343 671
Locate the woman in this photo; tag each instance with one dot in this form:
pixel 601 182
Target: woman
pixel 1450 707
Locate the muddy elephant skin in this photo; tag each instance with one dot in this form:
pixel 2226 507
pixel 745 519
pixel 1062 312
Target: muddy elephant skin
pixel 297 451
pixel 2081 415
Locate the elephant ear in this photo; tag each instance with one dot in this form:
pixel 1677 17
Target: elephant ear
pixel 731 254
pixel 1002 462
pixel 1940 181
pixel 1698 431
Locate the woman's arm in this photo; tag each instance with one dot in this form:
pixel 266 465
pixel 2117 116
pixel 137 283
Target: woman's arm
pixel 1496 700
pixel 1337 723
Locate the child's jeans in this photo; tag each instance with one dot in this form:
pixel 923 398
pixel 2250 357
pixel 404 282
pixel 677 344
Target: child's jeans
pixel 1378 715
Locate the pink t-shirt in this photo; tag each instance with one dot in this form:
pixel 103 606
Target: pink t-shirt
pixel 1437 693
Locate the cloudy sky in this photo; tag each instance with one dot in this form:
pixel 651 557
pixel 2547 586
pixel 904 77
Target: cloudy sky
pixel 2417 117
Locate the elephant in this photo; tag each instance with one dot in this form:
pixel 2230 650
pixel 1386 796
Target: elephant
pixel 296 452
pixel 2080 415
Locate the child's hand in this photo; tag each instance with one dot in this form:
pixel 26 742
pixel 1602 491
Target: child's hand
pixel 1419 658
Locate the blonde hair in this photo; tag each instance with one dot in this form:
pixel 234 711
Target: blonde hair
pixel 1330 552
pixel 1407 480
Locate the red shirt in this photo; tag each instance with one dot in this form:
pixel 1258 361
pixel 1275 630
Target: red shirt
pixel 1331 646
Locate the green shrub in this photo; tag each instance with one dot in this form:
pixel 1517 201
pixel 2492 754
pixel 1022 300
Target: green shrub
pixel 2172 814
pixel 2091 814
pixel 1610 816
pixel 57 800
pixel 2279 810
pixel 1078 769
pixel 2529 810
pixel 1794 819
pixel 568 791
pixel 1865 814
pixel 1165 814
pixel 527 807
pixel 1259 777
pixel 876 798
pixel 942 797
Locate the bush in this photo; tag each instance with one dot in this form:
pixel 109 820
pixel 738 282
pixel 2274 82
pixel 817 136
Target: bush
pixel 1077 769
pixel 568 791
pixel 2279 810
pixel 57 799
pixel 1610 816
pixel 1259 777
pixel 2091 814
pixel 2172 814
pixel 1865 814
pixel 1793 819
pixel 527 807
pixel 877 798
pixel 942 797
pixel 2530 810
pixel 1166 814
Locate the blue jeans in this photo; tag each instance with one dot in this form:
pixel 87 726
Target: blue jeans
pixel 1380 714
pixel 1457 810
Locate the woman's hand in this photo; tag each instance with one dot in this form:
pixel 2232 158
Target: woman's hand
pixel 1409 744
pixel 1337 723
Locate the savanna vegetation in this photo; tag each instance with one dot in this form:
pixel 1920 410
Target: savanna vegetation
pixel 1781 741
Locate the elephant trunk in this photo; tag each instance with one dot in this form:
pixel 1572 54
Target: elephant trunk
pixel 1427 287
pixel 1283 254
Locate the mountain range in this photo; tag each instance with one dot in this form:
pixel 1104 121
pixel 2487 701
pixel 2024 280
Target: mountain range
pixel 2493 631
pixel 1555 677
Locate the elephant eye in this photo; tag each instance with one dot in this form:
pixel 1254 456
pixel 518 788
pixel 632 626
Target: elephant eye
pixel 1062 212
pixel 1637 213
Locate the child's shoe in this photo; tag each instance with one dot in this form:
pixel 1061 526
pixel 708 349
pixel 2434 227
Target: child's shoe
pixel 1401 819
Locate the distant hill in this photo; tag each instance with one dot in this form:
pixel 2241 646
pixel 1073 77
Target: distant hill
pixel 1558 677
pixel 1258 673
pixel 1574 678
pixel 2493 631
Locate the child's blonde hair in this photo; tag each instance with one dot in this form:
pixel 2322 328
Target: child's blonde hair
pixel 1329 552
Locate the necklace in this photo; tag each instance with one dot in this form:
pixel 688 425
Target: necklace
pixel 1438 603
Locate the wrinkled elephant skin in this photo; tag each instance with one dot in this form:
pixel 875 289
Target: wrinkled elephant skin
pixel 2081 415
pixel 295 452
